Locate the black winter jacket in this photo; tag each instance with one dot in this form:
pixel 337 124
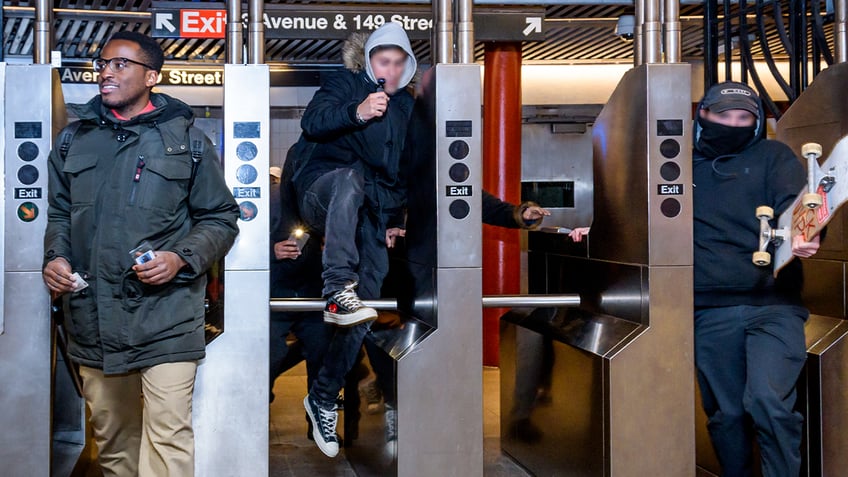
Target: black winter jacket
pixel 333 138
pixel 120 183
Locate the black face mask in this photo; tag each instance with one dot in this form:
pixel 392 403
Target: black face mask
pixel 720 140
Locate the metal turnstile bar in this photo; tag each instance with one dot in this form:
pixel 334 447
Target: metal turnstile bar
pixel 494 301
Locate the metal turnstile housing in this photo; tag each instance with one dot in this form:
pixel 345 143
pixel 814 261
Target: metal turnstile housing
pixel 438 351
pixel 622 365
pixel 231 394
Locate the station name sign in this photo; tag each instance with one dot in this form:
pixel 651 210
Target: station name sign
pixel 287 21
pixel 169 76
pixel 212 75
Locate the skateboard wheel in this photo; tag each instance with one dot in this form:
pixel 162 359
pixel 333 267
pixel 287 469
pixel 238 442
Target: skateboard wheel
pixel 811 200
pixel 765 212
pixel 761 259
pixel 811 148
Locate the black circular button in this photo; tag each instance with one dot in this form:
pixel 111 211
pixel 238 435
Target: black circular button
pixel 248 211
pixel 458 149
pixel 670 171
pixel 459 209
pixel 459 172
pixel 27 174
pixel 670 207
pixel 246 174
pixel 246 151
pixel 670 148
pixel 28 151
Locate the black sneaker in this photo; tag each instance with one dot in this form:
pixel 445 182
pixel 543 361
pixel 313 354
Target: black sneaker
pixel 344 308
pixel 323 426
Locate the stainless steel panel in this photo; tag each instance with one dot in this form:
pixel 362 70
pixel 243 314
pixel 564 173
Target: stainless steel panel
pixel 547 157
pixel 627 162
pixel 651 384
pixel 820 115
pixel 633 333
pixel 824 287
pixel 25 336
pixel 826 410
pixel 570 441
pixel 459 240
pixel 438 379
pixel 440 427
pixel 231 394
pixel 25 374
pixel 246 123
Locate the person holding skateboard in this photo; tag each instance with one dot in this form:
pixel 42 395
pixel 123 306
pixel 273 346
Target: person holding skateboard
pixel 749 325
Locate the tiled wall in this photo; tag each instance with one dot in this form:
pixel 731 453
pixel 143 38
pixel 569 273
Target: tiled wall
pixel 285 130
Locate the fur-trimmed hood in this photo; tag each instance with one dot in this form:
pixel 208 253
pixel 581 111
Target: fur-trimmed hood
pixel 357 49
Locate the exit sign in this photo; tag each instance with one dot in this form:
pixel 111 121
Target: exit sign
pixel 189 23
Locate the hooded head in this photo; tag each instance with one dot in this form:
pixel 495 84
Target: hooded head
pixel 393 36
pixel 715 137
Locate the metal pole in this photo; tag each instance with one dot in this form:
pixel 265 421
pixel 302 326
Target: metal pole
pixel 42 28
pixel 672 30
pixel 256 32
pixel 235 33
pixel 442 47
pixel 465 31
pixel 651 32
pixel 497 301
pixel 840 31
pixel 638 40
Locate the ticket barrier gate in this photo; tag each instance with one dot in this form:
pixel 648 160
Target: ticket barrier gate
pixel 621 366
pixel 819 115
pixel 41 412
pixel 230 403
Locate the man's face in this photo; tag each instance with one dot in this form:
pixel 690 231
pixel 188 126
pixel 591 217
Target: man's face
pixel 126 91
pixel 389 64
pixel 735 118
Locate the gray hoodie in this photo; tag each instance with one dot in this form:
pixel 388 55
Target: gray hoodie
pixel 391 34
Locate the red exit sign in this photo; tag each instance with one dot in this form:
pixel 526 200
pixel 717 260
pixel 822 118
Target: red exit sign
pixel 190 23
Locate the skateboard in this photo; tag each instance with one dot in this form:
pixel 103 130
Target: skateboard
pixel 824 194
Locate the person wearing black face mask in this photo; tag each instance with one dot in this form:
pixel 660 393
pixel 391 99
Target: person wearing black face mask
pixel 749 326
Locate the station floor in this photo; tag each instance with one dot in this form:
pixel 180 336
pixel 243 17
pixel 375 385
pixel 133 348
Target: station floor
pixel 293 455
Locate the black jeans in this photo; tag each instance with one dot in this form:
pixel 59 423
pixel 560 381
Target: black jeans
pixel 354 251
pixel 749 359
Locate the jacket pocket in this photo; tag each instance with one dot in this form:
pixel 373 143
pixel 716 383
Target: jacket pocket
pixel 83 181
pixel 168 311
pixel 81 314
pixel 164 184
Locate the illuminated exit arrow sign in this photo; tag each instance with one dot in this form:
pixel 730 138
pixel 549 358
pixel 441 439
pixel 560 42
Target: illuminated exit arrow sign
pixel 337 22
pixel 189 23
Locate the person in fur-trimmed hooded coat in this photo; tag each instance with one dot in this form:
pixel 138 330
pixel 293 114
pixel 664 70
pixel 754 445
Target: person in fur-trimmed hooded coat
pixel 349 189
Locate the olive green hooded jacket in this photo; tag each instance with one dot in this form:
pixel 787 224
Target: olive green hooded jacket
pixel 120 183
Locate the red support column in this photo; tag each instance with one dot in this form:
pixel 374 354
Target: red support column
pixel 502 178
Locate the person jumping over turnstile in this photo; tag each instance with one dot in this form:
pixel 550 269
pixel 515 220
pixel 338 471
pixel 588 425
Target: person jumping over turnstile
pixel 350 191
pixel 749 326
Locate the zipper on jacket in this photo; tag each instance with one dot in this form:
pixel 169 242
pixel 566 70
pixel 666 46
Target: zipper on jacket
pixel 139 167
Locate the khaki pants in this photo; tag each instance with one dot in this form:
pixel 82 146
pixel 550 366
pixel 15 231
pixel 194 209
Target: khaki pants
pixel 142 420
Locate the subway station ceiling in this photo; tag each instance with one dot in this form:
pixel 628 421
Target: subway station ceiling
pixel 573 33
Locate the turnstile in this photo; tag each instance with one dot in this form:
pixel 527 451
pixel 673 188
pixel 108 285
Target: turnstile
pixel 43 424
pixel 231 394
pixel 438 350
pixel 622 365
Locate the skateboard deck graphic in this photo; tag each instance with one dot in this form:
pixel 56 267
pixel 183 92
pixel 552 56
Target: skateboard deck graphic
pixel 831 184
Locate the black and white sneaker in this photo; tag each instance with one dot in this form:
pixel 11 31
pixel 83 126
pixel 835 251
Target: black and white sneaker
pixel 344 308
pixel 323 426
